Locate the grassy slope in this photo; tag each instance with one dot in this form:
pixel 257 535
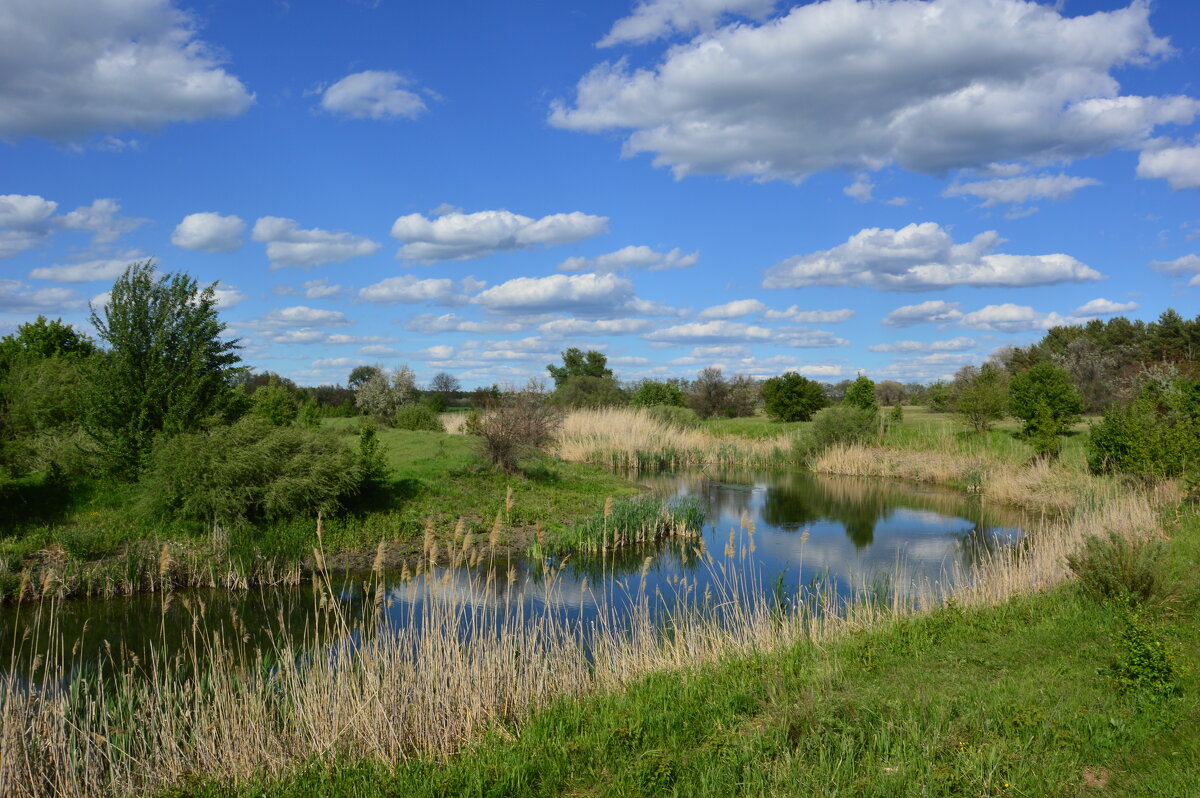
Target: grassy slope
pixel 1010 700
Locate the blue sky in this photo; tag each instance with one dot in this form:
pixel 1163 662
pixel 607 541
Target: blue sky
pixel 897 187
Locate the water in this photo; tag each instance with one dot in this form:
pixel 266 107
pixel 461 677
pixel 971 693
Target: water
pixel 778 531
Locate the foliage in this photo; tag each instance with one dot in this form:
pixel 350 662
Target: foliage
pixel 42 339
pixel 890 392
pixel 792 397
pixel 586 391
pixel 249 471
pixel 382 397
pixel 1145 663
pixel 680 417
pixel 1113 568
pixel 981 396
pixel 360 375
pixel 372 459
pixel 1157 435
pixel 896 414
pixel 861 394
pixel 841 424
pixel 521 423
pixel 577 363
pixel 937 397
pixel 445 384
pixel 712 395
pixel 474 423
pixel 742 398
pixel 650 393
pixel 417 417
pixel 167 370
pixel 1045 399
pixel 275 404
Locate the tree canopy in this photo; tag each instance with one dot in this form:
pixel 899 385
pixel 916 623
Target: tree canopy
pixel 792 397
pixel 577 363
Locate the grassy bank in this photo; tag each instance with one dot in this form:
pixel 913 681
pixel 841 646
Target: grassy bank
pixel 1019 699
pixel 92 538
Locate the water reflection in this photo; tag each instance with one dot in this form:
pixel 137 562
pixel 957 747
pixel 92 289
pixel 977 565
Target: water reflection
pixel 776 530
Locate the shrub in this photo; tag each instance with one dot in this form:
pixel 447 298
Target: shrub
pixel 1045 390
pixel 1145 663
pixel 838 425
pixel 1114 569
pixel 680 417
pixel 520 423
pixel 861 394
pixel 381 397
pixel 1158 435
pixel 792 398
pixel 982 398
pixel 474 423
pixel 249 471
pixel 651 393
pixel 937 397
pixel 417 417
pixel 274 403
pixel 586 391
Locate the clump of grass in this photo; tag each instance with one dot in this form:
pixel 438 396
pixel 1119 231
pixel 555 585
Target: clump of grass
pixel 1145 663
pixel 622 522
pixel 1113 568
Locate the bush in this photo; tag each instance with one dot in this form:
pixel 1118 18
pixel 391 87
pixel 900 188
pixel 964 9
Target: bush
pixel 1158 435
pixel 1114 569
pixel 520 423
pixel 792 398
pixel 585 391
pixel 1045 391
pixel 982 397
pixel 275 404
pixel 839 425
pixel 679 417
pixel 474 423
pixel 1145 663
pixel 417 417
pixel 249 471
pixel 651 393
pixel 861 395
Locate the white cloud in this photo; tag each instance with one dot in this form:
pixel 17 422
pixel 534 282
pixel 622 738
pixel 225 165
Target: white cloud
pixel 428 323
pixel 463 236
pixel 288 245
pixel 923 256
pixel 16 297
pixel 655 19
pixel 24 221
pixel 639 257
pixel 732 310
pixel 1010 318
pixel 940 365
pixel 1021 189
pixel 579 294
pixel 1180 267
pixel 312 335
pixel 228 296
pixel 373 95
pixel 87 271
pixel 1102 307
pixel 380 350
pixel 930 86
pixel 73 68
pixel 720 331
pixel 102 219
pixel 302 316
pixel 335 362
pixel 1178 165
pixel 861 189
pixel 562 328
pixel 320 289
pixel 209 232
pixel 935 311
pixel 408 290
pixel 794 313
pixel 952 345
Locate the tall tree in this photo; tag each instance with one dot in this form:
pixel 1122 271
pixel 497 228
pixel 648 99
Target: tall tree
pixel 577 363
pixel 792 398
pixel 167 369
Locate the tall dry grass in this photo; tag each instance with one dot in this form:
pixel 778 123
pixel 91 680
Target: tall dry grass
pixel 626 437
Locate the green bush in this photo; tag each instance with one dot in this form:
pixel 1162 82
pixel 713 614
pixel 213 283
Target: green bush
pixel 652 393
pixel 417 417
pixel 1145 662
pixel 248 472
pixel 474 423
pixel 1115 569
pixel 1158 435
pixel 861 394
pixel 275 404
pixel 791 397
pixel 679 417
pixel 841 424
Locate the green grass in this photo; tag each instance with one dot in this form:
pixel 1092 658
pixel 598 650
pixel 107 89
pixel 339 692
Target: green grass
pixel 1011 700
pixel 754 427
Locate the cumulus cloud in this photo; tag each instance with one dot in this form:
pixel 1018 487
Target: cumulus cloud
pixel 429 323
pixel 1179 165
pixel 640 257
pixel 861 189
pixel 939 365
pixel 289 245
pixel 929 86
pixel 410 290
pixel 1010 318
pixel 209 232
pixel 655 19
pixel 794 313
pixel 102 219
pixel 1102 307
pixel 952 345
pixel 1180 267
pixel 16 297
pixel 720 331
pixel 1021 189
pixel 935 311
pixel 733 310
pixel 463 236
pixel 24 221
pixel 373 95
pixel 594 295
pixel 563 328
pixel 74 68
pixel 302 316
pixel 87 271
pixel 923 256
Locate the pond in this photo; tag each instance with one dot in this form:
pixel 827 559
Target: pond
pixel 771 531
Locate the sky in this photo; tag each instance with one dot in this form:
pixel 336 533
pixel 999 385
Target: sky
pixel 895 188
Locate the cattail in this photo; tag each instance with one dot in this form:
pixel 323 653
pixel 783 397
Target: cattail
pixel 23 585
pixel 494 538
pixel 646 566
pixel 752 527
pixel 404 573
pixel 377 565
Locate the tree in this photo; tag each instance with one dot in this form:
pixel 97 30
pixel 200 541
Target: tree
pixel 937 397
pixel 577 363
pixel 168 367
pixel 274 403
pixel 584 391
pixel 861 394
pixel 791 397
pixel 381 397
pixel 743 397
pixel 981 396
pixel 651 393
pixel 360 374
pixel 445 384
pixel 41 339
pixel 1045 399
pixel 709 393
pixel 890 392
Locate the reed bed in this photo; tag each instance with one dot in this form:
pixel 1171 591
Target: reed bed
pixel 453 422
pixel 628 438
